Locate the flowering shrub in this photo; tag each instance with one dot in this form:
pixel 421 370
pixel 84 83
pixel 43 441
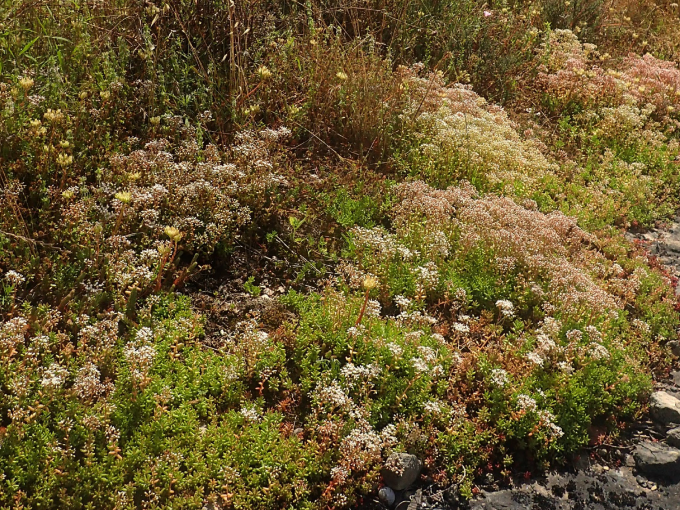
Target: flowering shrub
pixel 545 260
pixel 573 77
pixel 170 195
pixel 460 135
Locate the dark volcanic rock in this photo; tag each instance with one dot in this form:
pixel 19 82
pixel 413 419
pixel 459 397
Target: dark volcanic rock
pixel 673 437
pixel 401 470
pixel 664 407
pixel 657 459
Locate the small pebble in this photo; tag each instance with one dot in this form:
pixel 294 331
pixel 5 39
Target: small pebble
pixel 386 495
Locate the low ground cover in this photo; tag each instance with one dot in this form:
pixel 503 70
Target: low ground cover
pixel 425 210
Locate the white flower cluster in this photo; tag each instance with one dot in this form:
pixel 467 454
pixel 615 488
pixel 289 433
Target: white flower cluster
pixel 139 355
pixel 593 333
pixel 14 278
pixel 574 335
pixel 551 245
pixel 460 327
pixel 12 333
pixel 101 335
pixel 373 308
pixel 548 419
pixel 545 345
pixel 427 363
pixel 415 318
pixel 598 351
pixel 395 349
pixel 88 385
pixel 434 408
pixel 402 302
pixel 355 373
pixel 461 125
pixel 54 376
pixel 427 275
pixel 250 413
pixel 506 307
pixel 332 394
pixel 361 448
pixel 535 358
pixel 565 367
pixel 641 326
pixel 499 377
pixel 526 403
pixel 377 239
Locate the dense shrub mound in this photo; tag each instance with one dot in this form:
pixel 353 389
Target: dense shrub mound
pixel 250 249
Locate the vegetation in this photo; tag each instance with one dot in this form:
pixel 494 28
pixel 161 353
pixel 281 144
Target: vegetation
pixel 413 213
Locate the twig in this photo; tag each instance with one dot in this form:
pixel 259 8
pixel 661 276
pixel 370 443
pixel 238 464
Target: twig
pixel 33 241
pixel 322 141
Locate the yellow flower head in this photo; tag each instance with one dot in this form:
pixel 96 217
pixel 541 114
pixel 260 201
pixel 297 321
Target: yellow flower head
pixel 264 73
pixel 26 83
pixel 341 76
pixel 370 282
pixel 124 196
pixel 64 160
pixel 53 116
pixel 173 233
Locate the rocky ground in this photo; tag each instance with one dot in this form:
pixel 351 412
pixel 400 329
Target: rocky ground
pixel 642 475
